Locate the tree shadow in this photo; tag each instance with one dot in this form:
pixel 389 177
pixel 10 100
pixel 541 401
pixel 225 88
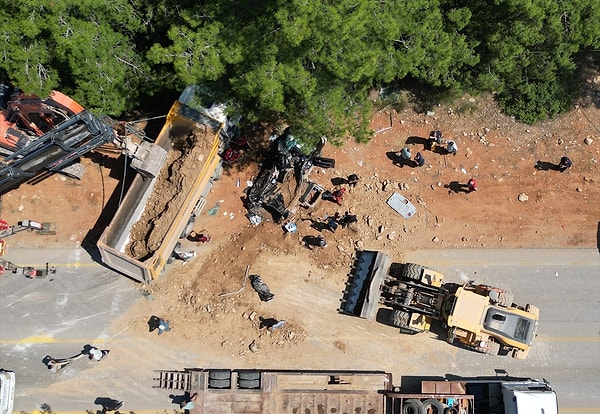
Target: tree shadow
pixel 546 166
pixel 456 187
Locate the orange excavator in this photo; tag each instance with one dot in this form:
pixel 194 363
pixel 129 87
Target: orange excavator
pixel 40 135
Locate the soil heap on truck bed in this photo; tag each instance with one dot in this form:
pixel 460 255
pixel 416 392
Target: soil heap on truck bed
pixel 190 147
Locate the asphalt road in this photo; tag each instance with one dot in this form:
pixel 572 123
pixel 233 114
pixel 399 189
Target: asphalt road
pixel 58 315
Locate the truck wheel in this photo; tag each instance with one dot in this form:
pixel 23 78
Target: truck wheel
pixel 188 228
pixel 219 374
pixel 218 173
pixel 451 410
pixel 249 375
pixel 433 406
pixel 412 271
pixel 219 383
pixel 400 319
pixel 249 384
pixel 413 406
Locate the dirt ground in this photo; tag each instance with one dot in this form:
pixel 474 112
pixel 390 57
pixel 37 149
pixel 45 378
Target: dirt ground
pixel 515 206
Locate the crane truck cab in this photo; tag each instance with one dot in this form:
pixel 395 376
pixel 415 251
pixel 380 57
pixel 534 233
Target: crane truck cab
pixel 7 391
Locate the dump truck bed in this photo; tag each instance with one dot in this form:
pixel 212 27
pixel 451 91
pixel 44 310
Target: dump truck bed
pixel 141 237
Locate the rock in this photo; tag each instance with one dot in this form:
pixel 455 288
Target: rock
pixel 579 190
pixel 253 347
pixel 252 316
pixel 588 141
pixel 435 239
pixel 560 141
pixel 391 236
pixel 522 197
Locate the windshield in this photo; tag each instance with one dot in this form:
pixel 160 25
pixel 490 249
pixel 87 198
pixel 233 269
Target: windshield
pixel 512 326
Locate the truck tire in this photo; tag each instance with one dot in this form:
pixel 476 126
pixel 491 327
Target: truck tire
pixel 413 406
pixel 219 374
pixel 218 173
pixel 433 406
pixel 412 271
pixel 188 228
pixel 249 375
pixel 400 319
pixel 219 383
pixel 451 410
pixel 248 384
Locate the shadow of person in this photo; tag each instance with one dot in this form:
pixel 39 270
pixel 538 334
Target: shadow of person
pixel 418 140
pixel 337 181
pixel 108 404
pixel 179 399
pixel 267 322
pixel 398 160
pixel 153 323
pixel 455 186
pixel 440 149
pixel 315 224
pixel 310 242
pixel 598 237
pixel 545 166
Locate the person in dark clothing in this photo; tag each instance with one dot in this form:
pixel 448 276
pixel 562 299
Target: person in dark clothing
pixel 419 159
pixel 353 180
pixel 564 164
pixel 332 224
pixel 435 139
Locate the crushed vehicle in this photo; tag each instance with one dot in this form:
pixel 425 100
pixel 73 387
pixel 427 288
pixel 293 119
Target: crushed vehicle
pixel 283 184
pixel 479 317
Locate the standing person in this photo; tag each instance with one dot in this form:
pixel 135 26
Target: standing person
pixel 332 224
pixel 472 185
pixel 435 139
pixel 96 354
pixel 451 147
pixel 352 180
pixel 419 159
pixel 564 164
pixel 163 326
pixel 405 154
pixel 338 195
pixel 321 242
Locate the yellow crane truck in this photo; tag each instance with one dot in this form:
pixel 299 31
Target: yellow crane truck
pixel 480 317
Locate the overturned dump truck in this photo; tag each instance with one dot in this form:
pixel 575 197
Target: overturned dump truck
pixel 216 391
pixel 156 212
pixel 411 297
